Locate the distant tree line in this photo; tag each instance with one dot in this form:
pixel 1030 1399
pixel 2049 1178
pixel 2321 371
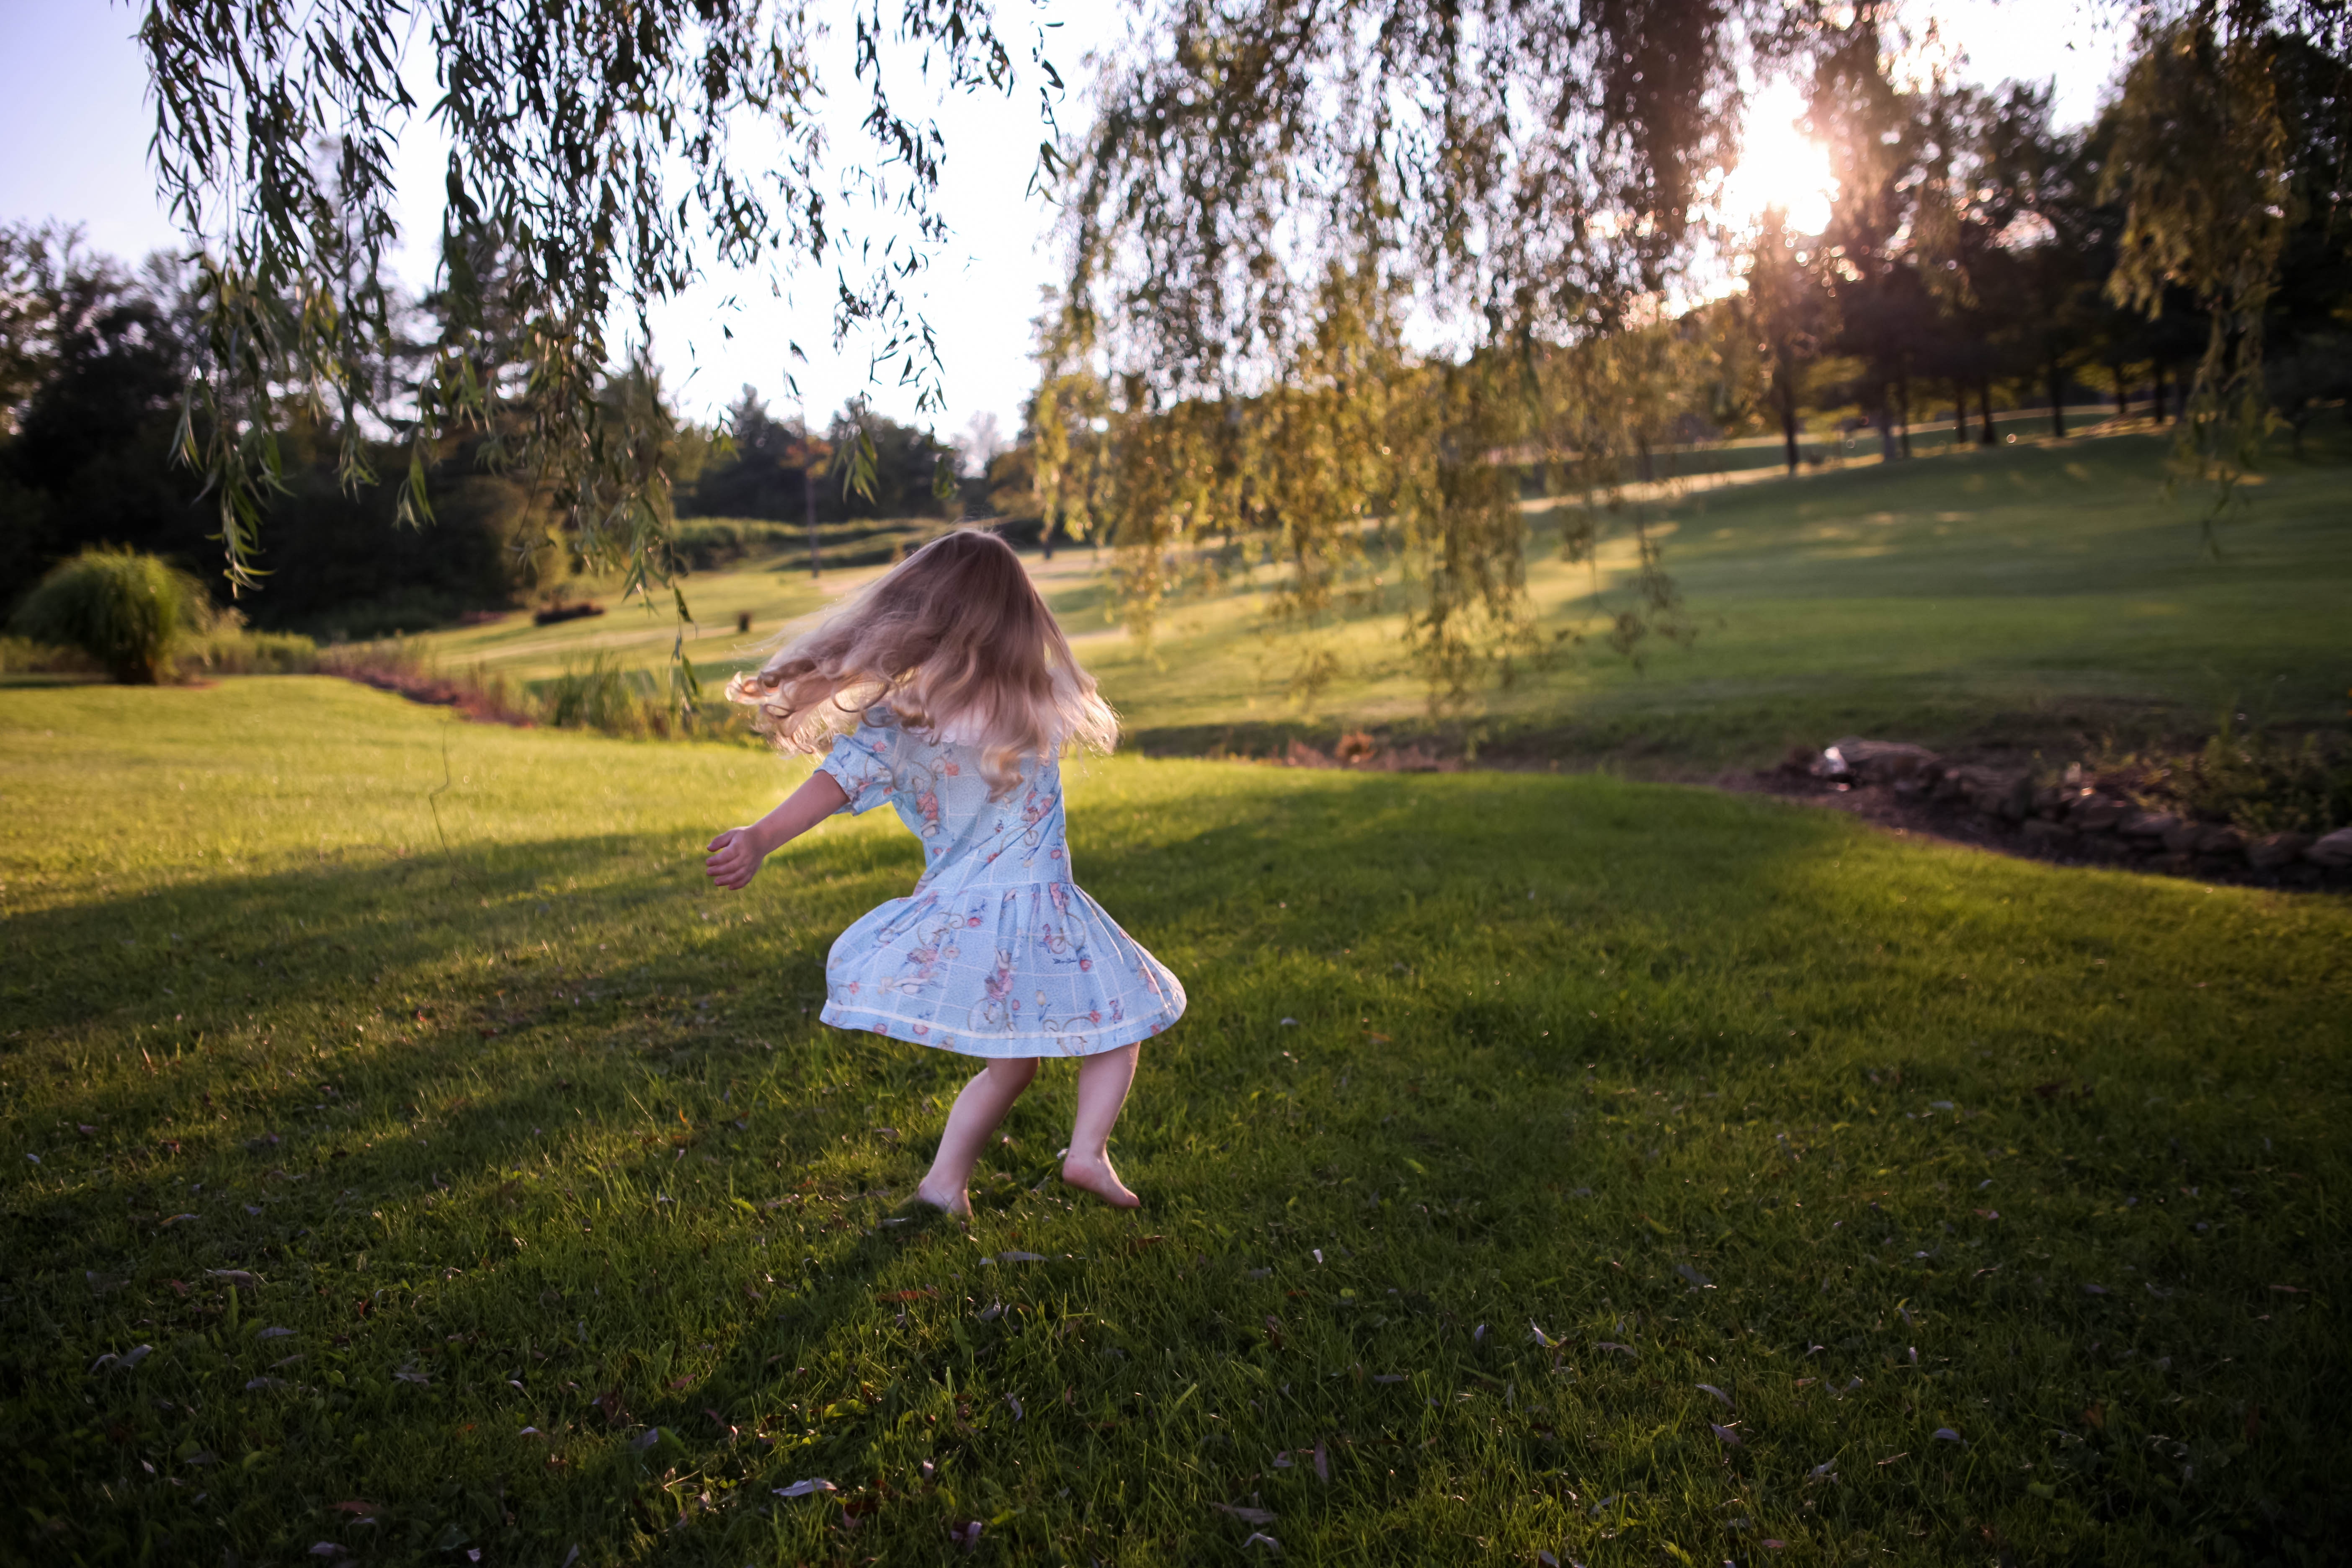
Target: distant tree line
pixel 96 358
pixel 1975 245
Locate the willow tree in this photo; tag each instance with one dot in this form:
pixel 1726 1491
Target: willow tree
pixel 2232 136
pixel 607 152
pixel 1329 259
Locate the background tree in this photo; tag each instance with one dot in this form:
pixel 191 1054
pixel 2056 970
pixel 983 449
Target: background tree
pixel 596 136
pixel 1790 312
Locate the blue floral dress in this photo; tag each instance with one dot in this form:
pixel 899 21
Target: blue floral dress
pixel 997 952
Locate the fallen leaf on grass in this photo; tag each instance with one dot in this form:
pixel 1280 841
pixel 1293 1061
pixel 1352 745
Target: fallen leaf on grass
pixel 1281 1460
pixel 234 1276
pixel 2290 1289
pixel 1892 1457
pixel 2095 1416
pixel 812 1488
pixel 264 1384
pixel 1322 1465
pixel 1694 1277
pixel 1021 1258
pixel 1710 1388
pixel 1776 1545
pixel 126 1360
pixel 1268 1542
pixel 1946 1434
pixel 1398 1377
pixel 1545 1340
pixel 2095 1291
pixel 1246 1515
pixel 1725 1432
pixel 275 1334
pixel 1611 1345
pixel 1018 1414
pixel 966 1535
pixel 329 1549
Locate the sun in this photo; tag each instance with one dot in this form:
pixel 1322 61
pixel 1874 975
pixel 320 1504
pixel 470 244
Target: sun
pixel 1779 165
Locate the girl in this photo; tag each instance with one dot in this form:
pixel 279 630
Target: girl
pixel 947 690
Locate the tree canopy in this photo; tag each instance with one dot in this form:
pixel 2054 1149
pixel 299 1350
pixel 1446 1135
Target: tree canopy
pixel 1339 273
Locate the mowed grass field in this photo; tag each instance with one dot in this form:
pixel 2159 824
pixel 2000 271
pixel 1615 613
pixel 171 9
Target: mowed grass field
pixel 2042 593
pixel 408 1158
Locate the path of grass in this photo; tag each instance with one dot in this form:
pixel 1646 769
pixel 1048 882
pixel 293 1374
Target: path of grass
pixel 1625 1173
pixel 2027 594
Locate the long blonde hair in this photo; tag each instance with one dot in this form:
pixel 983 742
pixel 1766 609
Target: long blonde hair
pixel 954 640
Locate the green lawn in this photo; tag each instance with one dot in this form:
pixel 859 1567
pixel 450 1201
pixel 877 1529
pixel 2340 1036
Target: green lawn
pixel 504 1198
pixel 2044 593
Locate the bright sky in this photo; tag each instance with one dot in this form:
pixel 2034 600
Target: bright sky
pixel 75 120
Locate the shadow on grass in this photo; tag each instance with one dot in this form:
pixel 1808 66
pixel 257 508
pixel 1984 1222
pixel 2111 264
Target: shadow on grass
pixel 614 1184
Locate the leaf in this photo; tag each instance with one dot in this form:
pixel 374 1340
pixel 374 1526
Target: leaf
pixel 1392 1377
pixel 1725 1433
pixel 1014 1402
pixel 275 1334
pixel 1545 1340
pixel 2095 1291
pixel 1611 1345
pixel 1268 1542
pixel 1322 1463
pixel 1710 1388
pixel 1246 1515
pixel 813 1488
pixel 1021 1258
pixel 1946 1434
pixel 234 1276
pixel 1691 1275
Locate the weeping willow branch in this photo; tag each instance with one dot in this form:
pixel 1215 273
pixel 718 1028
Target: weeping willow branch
pixel 592 172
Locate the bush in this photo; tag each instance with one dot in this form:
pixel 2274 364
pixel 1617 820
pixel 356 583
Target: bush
pixel 126 611
pixel 232 649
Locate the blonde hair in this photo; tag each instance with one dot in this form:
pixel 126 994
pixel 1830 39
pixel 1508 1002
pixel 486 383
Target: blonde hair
pixel 954 640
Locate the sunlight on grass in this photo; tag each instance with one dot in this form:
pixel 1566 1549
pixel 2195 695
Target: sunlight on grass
pixel 2031 594
pixel 1562 1165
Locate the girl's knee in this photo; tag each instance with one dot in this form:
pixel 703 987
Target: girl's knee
pixel 1013 1072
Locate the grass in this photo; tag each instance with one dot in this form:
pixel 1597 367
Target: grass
pixel 502 1197
pixel 2041 594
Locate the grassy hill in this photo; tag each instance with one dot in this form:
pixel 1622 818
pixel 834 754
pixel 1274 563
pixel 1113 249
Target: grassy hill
pixel 2030 593
pixel 406 1155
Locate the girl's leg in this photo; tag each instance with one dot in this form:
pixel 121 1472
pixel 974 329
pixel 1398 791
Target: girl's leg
pixel 1103 1080
pixel 976 1112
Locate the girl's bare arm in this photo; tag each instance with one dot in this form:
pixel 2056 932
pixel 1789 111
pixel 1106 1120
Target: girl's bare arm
pixel 736 854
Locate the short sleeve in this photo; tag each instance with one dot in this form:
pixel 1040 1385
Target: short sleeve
pixel 860 764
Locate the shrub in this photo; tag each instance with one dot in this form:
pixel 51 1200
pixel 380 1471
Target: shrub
pixel 126 611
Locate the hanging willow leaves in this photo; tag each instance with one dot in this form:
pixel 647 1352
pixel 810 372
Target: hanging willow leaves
pixel 1273 190
pixel 593 171
pixel 2233 131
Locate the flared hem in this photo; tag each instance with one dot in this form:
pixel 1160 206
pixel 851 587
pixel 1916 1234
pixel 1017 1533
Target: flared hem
pixel 1001 1046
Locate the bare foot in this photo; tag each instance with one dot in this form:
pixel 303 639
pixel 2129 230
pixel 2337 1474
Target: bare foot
pixel 957 1203
pixel 1096 1176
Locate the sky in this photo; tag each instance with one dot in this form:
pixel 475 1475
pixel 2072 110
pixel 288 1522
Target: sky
pixel 76 117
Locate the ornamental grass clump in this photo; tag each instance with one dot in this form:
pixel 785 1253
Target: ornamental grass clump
pixel 125 610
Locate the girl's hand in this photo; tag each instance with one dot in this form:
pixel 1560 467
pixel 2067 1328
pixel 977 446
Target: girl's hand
pixel 736 854
pixel 735 858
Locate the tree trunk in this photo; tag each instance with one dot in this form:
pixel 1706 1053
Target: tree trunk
pixel 1787 402
pixel 808 507
pixel 1984 409
pixel 1886 422
pixel 1959 414
pixel 2123 395
pixel 2156 395
pixel 2057 401
pixel 1903 413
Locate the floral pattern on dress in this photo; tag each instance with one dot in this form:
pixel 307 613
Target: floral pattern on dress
pixel 996 951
